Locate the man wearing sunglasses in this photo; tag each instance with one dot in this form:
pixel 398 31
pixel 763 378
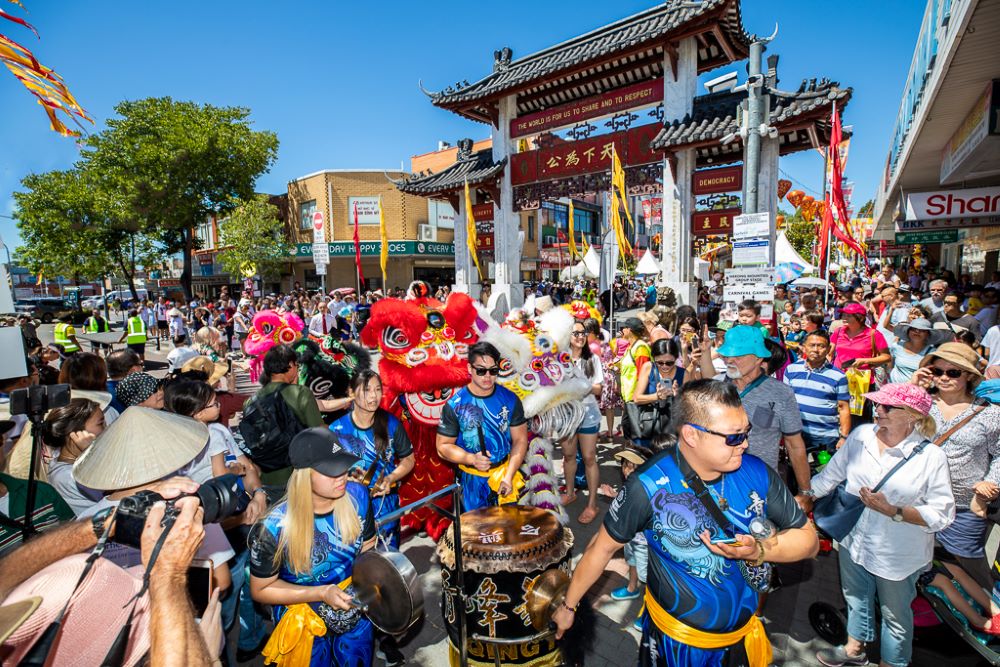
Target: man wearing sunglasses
pixel 483 431
pixel 700 592
pixel 769 404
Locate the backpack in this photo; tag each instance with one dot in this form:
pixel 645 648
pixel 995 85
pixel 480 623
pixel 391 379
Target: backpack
pixel 267 427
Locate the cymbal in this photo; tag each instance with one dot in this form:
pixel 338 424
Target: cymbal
pixel 546 592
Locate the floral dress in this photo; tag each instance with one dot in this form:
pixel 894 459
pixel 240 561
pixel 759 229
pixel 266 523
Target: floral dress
pixel 611 397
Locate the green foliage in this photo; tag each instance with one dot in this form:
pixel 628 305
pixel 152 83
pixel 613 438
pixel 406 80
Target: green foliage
pixel 801 233
pixel 867 209
pixel 253 234
pixel 172 164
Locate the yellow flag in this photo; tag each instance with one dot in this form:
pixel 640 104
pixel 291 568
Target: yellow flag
pixel 618 185
pixel 383 237
pixel 586 247
pixel 470 230
pixel 40 278
pixel 573 252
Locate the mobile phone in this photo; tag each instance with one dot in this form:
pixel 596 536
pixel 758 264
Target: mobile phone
pixel 695 341
pixel 199 585
pixel 731 541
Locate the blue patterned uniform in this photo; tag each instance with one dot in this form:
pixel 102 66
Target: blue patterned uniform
pixel 463 416
pixel 691 583
pixel 333 562
pixel 361 442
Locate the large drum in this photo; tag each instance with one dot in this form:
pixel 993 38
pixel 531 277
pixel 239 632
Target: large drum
pixel 504 549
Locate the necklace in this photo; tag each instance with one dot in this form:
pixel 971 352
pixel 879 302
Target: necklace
pixel 721 497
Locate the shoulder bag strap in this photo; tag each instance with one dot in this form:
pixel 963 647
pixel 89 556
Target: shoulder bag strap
pixel 702 493
pixel 941 439
pixel 916 450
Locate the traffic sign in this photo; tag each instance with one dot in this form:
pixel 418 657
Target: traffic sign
pixel 318 221
pixel 936 236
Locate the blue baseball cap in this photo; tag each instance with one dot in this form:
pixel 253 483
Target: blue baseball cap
pixel 744 339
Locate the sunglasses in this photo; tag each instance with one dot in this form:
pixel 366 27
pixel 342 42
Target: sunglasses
pixel 953 373
pixel 579 333
pixel 492 370
pixel 732 439
pixel 668 364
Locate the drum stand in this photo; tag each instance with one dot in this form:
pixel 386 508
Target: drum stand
pixel 458 589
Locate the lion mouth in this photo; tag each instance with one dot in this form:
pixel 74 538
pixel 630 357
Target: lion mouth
pixel 426 406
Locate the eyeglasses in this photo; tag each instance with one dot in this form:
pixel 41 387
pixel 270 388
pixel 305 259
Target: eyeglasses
pixel 953 373
pixel 214 404
pixel 732 439
pixel 492 370
pixel 668 364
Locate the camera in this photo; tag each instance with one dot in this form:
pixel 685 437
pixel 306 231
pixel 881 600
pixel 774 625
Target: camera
pixel 220 497
pixel 36 400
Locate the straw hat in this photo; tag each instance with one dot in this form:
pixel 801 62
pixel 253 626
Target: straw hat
pixel 141 446
pixel 214 371
pixel 958 354
pixel 96 614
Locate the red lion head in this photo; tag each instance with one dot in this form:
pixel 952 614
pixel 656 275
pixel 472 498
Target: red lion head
pixel 424 347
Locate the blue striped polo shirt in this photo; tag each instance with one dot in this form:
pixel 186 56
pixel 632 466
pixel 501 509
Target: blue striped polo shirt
pixel 817 393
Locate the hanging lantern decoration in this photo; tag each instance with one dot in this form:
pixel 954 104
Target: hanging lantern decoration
pixel 807 208
pixel 819 209
pixel 795 198
pixel 784 185
pixel 780 221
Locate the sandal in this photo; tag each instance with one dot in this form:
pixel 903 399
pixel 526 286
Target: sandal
pixel 587 515
pixel 567 499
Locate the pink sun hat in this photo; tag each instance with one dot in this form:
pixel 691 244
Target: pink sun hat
pixel 853 308
pixel 903 395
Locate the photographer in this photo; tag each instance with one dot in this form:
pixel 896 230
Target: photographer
pixel 163 624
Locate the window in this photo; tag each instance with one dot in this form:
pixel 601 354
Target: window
pixel 306 209
pixel 531 228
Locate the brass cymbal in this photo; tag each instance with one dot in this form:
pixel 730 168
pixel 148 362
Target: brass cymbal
pixel 545 593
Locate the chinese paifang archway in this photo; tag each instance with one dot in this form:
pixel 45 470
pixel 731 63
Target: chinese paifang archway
pixel 631 84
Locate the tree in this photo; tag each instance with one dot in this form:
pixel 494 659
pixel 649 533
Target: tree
pixel 253 236
pixel 801 233
pixel 173 164
pixel 70 227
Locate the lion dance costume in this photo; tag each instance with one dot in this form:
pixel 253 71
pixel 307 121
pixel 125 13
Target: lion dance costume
pixel 424 350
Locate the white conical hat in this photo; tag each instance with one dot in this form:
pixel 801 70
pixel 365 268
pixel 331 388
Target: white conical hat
pixel 141 446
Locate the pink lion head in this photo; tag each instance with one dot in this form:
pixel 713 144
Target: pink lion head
pixel 270 328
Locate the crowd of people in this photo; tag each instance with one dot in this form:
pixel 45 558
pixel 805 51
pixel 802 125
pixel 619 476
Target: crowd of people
pixel 754 414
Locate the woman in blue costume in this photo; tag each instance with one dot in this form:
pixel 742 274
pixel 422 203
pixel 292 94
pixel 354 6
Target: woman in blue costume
pixel 302 558
pixel 377 438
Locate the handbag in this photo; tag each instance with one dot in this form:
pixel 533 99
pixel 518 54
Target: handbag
pixel 642 422
pixel 838 512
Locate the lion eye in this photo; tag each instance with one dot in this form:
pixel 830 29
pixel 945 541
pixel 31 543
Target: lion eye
pixel 395 339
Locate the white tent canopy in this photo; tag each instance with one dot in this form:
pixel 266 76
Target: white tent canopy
pixel 647 265
pixel 784 252
pixel 593 262
pixel 578 270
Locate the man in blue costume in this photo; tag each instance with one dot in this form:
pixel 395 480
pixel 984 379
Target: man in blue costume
pixel 483 431
pixel 703 577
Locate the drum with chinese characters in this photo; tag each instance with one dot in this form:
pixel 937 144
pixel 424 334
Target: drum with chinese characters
pixel 504 551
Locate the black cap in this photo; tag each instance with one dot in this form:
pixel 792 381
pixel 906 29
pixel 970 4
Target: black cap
pixel 633 323
pixel 318 448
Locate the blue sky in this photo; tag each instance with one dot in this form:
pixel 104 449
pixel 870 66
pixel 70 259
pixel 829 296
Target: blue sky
pixel 337 81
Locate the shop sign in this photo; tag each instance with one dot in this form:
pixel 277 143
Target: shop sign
pixel 373 248
pixel 713 181
pixel 957 223
pixel 705 223
pixel 983 122
pixel 605 104
pixel 168 282
pixel 367 210
pixel 585 156
pixel 936 236
pixel 939 204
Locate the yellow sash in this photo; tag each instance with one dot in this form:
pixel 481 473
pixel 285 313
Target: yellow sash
pixel 754 638
pixel 494 477
pixel 291 642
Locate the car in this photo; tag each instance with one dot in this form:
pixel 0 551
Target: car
pixel 51 308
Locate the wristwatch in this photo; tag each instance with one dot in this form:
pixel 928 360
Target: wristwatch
pixel 808 493
pixel 898 516
pixel 99 520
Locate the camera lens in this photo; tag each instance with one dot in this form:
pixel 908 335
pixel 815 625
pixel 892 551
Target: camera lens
pixel 219 498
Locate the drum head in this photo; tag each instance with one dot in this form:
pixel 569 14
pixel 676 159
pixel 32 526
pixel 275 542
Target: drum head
pixel 388 584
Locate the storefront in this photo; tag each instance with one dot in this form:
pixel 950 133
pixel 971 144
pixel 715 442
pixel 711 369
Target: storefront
pixel 408 261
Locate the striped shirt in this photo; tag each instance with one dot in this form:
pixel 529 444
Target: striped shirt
pixel 817 392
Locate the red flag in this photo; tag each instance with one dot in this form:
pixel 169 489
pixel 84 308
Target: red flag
pixel 836 195
pixel 561 235
pixel 824 235
pixel 357 249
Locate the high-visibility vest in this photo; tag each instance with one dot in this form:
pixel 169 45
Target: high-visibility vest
pixel 61 337
pixel 91 326
pixel 136 331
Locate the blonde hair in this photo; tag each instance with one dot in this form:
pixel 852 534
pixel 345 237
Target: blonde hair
pixel 295 538
pixel 925 424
